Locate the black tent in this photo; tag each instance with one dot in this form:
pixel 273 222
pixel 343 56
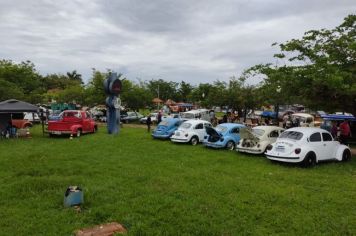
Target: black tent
pixel 13 106
pixel 16 106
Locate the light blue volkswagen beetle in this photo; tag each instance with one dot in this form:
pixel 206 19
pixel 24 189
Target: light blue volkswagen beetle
pixel 166 128
pixel 225 135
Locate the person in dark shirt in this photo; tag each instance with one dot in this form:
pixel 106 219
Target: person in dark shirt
pixel 148 123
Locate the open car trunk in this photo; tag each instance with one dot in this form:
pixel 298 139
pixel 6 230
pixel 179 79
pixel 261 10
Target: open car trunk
pixel 213 135
pixel 248 138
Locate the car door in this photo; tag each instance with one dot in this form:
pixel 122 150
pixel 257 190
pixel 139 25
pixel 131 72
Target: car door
pixel 235 134
pixel 200 131
pixel 329 146
pixel 317 145
pixel 86 122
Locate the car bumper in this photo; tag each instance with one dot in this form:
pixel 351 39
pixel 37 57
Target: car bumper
pixel 57 132
pixel 291 159
pixel 249 150
pixel 161 136
pixel 179 140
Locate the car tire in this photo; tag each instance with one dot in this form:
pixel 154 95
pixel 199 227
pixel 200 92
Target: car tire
pixel 194 140
pixel 79 133
pixel 230 145
pixel 95 129
pixel 309 160
pixel 346 155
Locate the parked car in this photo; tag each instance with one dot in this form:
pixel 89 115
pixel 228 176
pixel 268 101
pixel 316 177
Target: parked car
pixel 305 119
pixel 257 139
pixel 225 135
pixel 307 146
pixel 191 131
pixel 166 128
pixel 21 124
pixel 72 122
pixel 32 117
pixel 153 118
pixel 130 116
pixel 202 114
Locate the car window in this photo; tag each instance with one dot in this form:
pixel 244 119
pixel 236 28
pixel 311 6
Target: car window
pixel 207 125
pixel 199 126
pixel 292 135
pixel 235 130
pixel 258 132
pixel 185 125
pixel 274 134
pixel 327 137
pixel 316 137
pixel 220 128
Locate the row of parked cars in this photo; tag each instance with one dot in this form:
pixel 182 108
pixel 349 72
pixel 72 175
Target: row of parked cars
pixel 305 145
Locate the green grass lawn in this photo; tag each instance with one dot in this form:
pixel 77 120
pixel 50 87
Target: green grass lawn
pixel 156 187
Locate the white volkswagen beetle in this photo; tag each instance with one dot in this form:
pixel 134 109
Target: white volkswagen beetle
pixel 192 131
pixel 307 146
pixel 257 139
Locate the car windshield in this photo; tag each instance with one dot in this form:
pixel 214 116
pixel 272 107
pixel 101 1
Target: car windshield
pixel 164 123
pixel 188 115
pixel 258 132
pixel 130 113
pixel 185 126
pixel 292 135
pixel 221 129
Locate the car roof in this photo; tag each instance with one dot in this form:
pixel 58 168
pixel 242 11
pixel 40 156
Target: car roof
pixel 307 130
pixel 302 115
pixel 231 125
pixel 196 121
pixel 268 127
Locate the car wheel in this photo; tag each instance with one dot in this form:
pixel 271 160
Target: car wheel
pixel 230 145
pixel 95 129
pixel 309 160
pixel 79 132
pixel 126 121
pixel 194 141
pixel 346 155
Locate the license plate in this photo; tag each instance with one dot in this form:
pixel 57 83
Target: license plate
pixel 56 132
pixel 280 149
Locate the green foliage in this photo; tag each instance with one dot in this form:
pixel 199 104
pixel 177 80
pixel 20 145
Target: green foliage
pixel 323 69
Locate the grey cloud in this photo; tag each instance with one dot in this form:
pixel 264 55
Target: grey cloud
pixel 196 41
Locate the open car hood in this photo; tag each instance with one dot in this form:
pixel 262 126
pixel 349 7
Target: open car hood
pixel 246 133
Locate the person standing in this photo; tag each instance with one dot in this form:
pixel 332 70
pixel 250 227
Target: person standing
pixel 344 132
pixel 159 118
pixel 148 123
pixel 334 129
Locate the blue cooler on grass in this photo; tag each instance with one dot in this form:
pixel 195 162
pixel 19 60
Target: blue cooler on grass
pixel 73 196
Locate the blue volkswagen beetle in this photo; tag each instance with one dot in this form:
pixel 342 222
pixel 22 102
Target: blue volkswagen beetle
pixel 225 135
pixel 166 128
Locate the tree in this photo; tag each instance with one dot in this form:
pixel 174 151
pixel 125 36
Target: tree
pixel 323 69
pixel 74 76
pixel 184 91
pixel 328 59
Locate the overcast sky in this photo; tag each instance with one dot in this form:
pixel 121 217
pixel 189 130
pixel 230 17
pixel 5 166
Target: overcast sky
pixel 192 40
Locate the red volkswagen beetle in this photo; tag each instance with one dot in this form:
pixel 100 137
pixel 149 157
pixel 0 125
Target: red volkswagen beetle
pixel 72 122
